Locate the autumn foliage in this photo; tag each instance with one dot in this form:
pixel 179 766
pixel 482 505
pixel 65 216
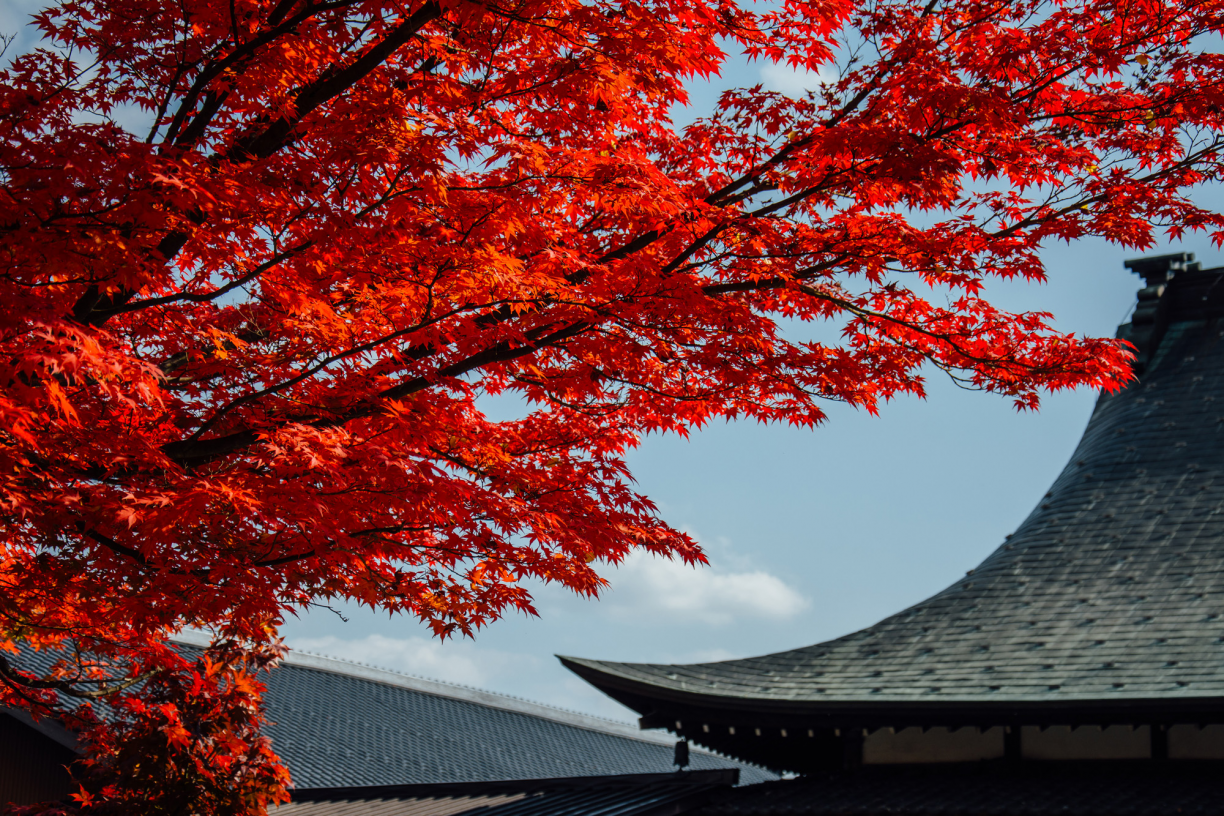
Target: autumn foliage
pixel 267 263
pixel 188 743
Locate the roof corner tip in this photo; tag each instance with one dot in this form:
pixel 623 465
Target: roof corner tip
pixel 589 669
pixel 574 663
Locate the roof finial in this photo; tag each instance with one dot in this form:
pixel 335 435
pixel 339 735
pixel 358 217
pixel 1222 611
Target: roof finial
pixel 1159 268
pixel 1151 316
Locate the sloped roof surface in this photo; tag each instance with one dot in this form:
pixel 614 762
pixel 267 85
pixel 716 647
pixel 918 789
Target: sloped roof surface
pixel 1111 589
pixel 986 789
pixel 641 795
pixel 337 724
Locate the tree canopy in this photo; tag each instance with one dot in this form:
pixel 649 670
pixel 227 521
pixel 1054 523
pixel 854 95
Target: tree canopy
pixel 246 350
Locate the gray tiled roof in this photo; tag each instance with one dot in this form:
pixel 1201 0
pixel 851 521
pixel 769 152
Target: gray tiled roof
pixel 637 795
pixel 338 724
pixel 1111 590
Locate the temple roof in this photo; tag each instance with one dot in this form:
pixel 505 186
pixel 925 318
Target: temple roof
pixel 1110 593
pixel 342 724
pixel 637 795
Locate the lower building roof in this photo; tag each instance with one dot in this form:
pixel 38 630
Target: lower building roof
pixel 336 723
pixel 630 795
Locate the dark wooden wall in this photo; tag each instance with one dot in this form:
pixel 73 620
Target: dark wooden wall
pixel 31 765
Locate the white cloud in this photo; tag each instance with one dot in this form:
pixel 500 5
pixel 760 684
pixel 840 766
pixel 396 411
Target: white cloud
pixel 454 661
pixel 792 81
pixel 647 586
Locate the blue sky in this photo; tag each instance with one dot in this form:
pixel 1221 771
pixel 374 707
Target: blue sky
pixel 810 534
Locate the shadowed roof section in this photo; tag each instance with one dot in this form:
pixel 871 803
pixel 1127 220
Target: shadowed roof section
pixel 986 789
pixel 1108 596
pixel 635 795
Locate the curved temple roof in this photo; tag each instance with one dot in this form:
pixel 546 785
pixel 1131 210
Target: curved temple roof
pixel 1110 595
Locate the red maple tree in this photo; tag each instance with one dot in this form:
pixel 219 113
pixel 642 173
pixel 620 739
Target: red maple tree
pixel 245 349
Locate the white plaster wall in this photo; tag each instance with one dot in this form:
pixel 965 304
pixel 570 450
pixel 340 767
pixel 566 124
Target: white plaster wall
pixel 1085 742
pixel 1192 742
pixel 913 745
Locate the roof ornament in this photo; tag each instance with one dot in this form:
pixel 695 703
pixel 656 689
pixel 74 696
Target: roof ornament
pixel 682 755
pixel 1151 315
pixel 1158 269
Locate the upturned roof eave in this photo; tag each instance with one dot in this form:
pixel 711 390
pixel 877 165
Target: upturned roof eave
pixel 657 702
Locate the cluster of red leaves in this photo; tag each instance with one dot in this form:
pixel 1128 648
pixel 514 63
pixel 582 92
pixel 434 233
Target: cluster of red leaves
pixel 185 741
pixel 250 338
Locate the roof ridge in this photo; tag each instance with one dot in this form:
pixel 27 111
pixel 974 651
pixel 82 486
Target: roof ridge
pixel 462 686
pixel 442 688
